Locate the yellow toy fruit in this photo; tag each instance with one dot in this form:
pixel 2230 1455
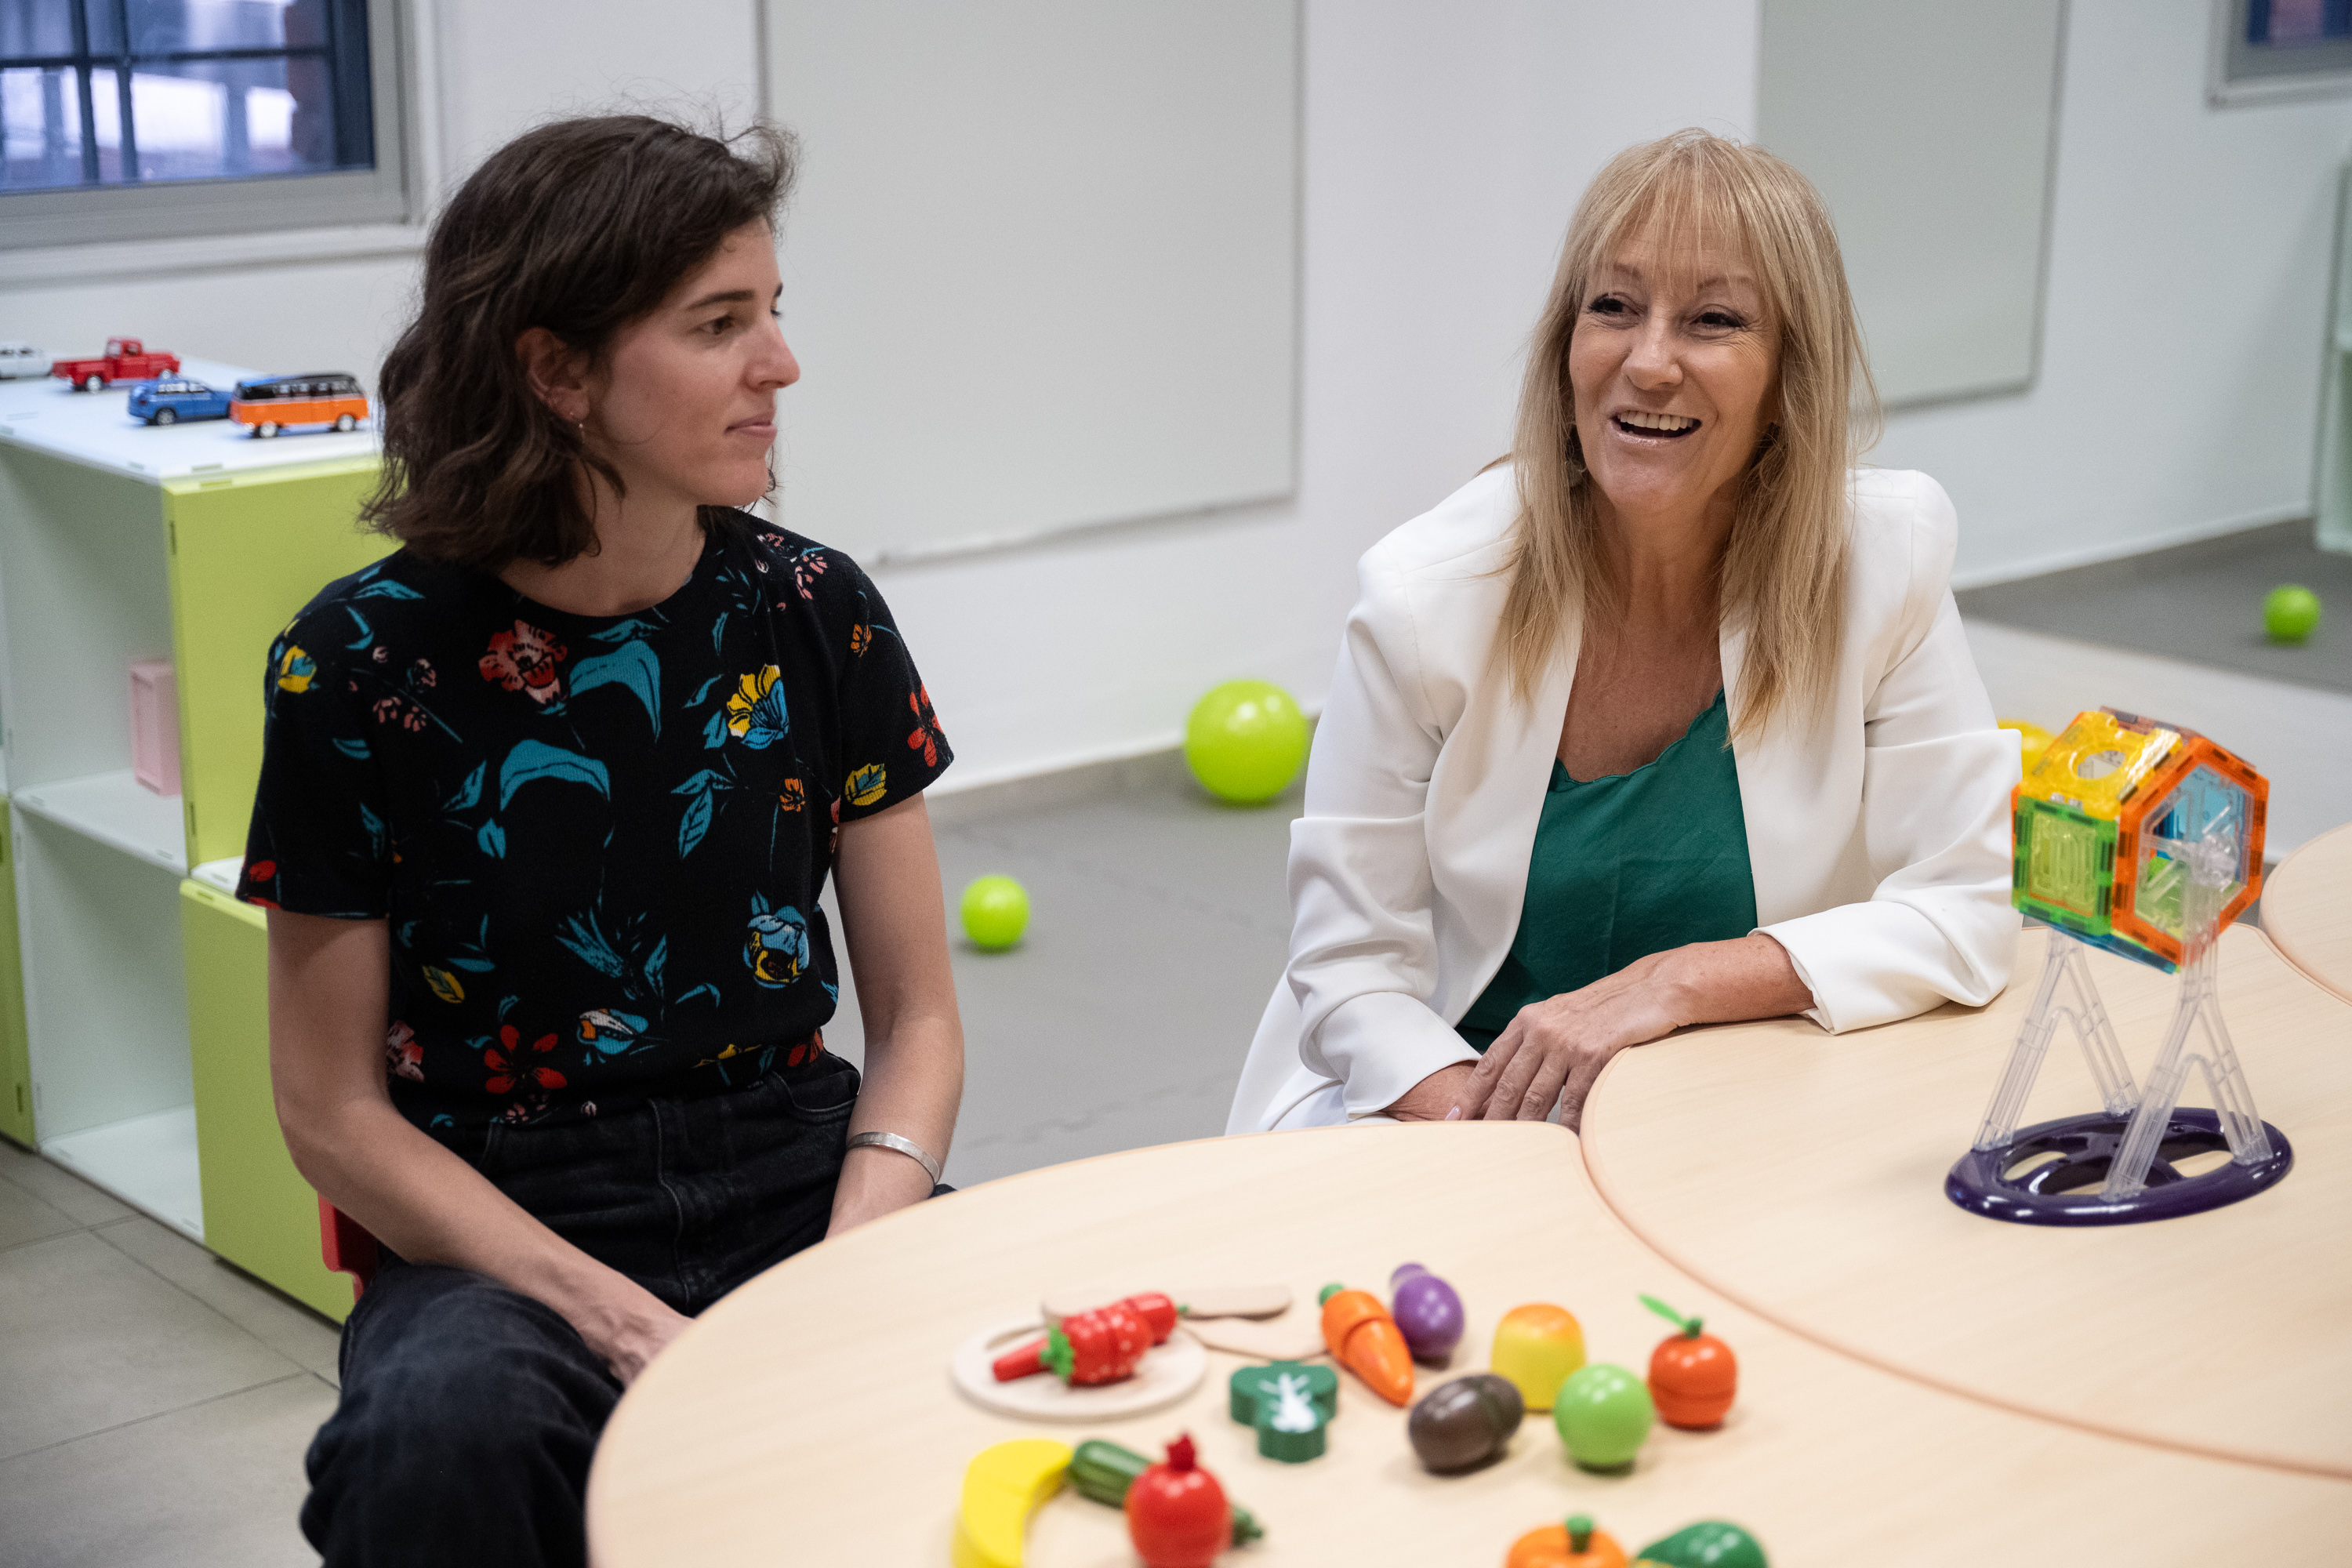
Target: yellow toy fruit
pixel 1537 1346
pixel 1002 1487
pixel 2032 740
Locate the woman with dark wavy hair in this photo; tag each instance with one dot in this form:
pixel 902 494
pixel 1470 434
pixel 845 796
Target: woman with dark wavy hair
pixel 548 800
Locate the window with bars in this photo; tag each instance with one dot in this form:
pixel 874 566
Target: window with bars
pixel 122 119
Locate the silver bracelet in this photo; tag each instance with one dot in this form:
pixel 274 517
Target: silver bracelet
pixel 907 1146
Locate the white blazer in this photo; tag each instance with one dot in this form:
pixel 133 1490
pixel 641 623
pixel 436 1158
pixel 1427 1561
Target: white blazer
pixel 1879 842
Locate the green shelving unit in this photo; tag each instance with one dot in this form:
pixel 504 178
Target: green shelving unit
pixel 144 1040
pixel 259 1213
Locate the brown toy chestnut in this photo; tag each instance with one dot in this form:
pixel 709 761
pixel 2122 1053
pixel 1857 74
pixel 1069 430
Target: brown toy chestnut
pixel 1466 1423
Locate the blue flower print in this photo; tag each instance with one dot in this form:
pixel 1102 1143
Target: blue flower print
pixel 608 1031
pixel 776 945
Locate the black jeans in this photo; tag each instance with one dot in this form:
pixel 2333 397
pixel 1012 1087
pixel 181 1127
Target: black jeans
pixel 469 1412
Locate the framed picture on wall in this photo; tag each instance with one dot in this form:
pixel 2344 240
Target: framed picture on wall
pixel 2269 49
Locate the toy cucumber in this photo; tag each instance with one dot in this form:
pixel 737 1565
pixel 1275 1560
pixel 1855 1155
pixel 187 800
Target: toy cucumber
pixel 1103 1471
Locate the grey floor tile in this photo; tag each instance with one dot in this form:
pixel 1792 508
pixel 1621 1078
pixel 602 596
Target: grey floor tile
pixel 1178 843
pixel 1158 927
pixel 216 1485
pixel 24 1217
pixel 93 1340
pixel 293 1331
pixel 1115 998
pixel 2199 601
pixel 58 1187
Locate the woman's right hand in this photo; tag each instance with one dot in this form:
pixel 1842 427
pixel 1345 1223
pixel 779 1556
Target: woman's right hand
pixel 628 1334
pixel 1434 1098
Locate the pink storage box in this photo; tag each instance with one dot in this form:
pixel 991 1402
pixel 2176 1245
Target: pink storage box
pixel 155 725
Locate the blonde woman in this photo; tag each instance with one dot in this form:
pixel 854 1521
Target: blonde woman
pixel 1668 720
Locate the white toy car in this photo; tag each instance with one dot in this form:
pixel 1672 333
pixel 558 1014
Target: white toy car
pixel 18 361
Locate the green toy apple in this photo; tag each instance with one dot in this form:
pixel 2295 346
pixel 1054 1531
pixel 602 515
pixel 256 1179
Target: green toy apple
pixel 1604 1414
pixel 995 913
pixel 2290 613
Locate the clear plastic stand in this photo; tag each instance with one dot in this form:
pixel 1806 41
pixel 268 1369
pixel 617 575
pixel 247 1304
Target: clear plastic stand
pixel 2067 994
pixel 2211 858
pixel 2036 1176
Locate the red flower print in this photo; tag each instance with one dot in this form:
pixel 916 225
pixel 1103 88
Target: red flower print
pixel 402 1054
pixel 399 710
pixel 807 567
pixel 507 1068
pixel 524 659
pixel 927 736
pixel 262 870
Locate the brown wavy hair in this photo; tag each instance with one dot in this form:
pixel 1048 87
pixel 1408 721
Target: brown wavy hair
pixel 1784 568
pixel 581 226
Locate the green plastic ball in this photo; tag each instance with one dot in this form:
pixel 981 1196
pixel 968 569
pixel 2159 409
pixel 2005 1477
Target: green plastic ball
pixel 1245 741
pixel 2290 613
pixel 1604 1414
pixel 995 912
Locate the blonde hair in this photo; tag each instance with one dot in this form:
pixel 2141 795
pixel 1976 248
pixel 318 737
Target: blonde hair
pixel 1783 572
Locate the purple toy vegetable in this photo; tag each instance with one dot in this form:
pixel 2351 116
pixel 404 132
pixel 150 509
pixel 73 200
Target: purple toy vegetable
pixel 1427 1311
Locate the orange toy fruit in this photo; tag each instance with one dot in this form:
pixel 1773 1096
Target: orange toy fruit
pixel 1365 1340
pixel 1693 1376
pixel 1575 1544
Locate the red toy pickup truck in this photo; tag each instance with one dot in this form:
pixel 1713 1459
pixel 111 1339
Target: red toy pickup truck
pixel 125 359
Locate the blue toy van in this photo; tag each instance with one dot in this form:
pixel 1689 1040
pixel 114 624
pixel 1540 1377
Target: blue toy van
pixel 168 399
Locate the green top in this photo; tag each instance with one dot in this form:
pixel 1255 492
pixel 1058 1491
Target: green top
pixel 1624 866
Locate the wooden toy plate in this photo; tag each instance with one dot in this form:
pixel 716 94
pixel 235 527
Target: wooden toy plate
pixel 1168 1372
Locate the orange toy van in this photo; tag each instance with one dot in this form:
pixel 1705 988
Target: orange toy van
pixel 268 403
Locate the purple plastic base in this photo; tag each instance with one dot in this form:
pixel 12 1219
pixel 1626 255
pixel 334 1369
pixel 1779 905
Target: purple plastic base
pixel 2086 1145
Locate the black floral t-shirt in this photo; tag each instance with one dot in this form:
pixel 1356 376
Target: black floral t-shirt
pixel 598 841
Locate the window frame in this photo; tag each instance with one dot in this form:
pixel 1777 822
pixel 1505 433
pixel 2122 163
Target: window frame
pixel 2327 74
pixel 246 203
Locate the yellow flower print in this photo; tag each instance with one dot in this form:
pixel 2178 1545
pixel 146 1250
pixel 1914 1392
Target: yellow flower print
pixel 296 670
pixel 867 786
pixel 445 985
pixel 755 711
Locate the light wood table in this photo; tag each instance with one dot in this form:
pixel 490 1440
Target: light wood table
pixel 808 1417
pixel 2307 910
pixel 1802 1175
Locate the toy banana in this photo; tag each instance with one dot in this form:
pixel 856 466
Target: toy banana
pixel 1002 1487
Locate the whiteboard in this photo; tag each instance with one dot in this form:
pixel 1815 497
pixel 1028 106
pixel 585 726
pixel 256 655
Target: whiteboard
pixel 1928 128
pixel 1041 268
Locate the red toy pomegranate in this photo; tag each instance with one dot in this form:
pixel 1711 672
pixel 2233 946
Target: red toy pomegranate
pixel 1176 1512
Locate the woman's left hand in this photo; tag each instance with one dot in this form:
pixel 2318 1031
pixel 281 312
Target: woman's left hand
pixel 1554 1051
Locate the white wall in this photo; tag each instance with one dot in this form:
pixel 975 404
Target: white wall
pixel 1443 148
pixel 2186 301
pixel 2178 391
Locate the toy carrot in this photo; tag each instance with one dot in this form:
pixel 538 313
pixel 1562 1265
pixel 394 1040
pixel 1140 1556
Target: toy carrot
pixel 1101 1346
pixel 1365 1340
